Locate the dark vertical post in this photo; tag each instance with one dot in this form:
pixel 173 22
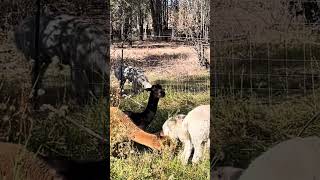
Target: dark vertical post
pixel 36 65
pixel 100 11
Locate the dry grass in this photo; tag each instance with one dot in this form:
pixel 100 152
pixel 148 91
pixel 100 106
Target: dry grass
pixel 47 130
pixel 176 68
pixel 161 59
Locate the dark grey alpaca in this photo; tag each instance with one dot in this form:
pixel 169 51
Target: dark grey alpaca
pixel 143 119
pixel 76 42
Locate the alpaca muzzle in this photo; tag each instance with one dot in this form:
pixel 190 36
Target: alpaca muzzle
pixel 146 85
pixel 161 134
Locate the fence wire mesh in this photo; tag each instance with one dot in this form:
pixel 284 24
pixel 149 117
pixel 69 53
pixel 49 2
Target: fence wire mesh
pixel 20 122
pixel 264 52
pixel 175 65
pixel 265 87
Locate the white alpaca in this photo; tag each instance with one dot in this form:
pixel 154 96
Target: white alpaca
pixel 294 159
pixel 192 130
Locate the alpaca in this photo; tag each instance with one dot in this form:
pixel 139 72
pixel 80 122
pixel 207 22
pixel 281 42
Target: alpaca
pixel 19 163
pixel 294 159
pixel 134 75
pixel 143 119
pixel 76 42
pixel 120 123
pixel 79 169
pixel 192 130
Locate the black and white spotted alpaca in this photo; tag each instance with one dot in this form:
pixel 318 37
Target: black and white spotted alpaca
pixel 74 41
pixel 134 75
pixel 143 119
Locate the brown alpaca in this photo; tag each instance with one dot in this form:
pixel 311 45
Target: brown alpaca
pixel 124 125
pixel 16 162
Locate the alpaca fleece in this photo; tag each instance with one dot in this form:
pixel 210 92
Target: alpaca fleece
pixel 294 159
pixel 192 129
pixel 121 124
pixel 226 173
pixel 75 42
pixel 17 162
pixel 132 74
pixel 143 119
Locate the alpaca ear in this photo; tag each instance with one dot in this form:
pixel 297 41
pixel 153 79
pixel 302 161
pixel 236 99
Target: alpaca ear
pixel 179 118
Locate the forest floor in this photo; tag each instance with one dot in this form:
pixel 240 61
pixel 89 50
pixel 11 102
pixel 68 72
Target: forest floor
pixel 186 84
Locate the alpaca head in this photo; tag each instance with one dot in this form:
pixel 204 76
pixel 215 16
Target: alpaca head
pixel 171 126
pixel 156 91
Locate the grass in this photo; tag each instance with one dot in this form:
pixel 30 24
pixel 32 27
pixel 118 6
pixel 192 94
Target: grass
pixel 50 130
pixel 47 131
pixel 248 123
pixel 248 127
pixel 186 86
pixel 157 166
pixel 144 164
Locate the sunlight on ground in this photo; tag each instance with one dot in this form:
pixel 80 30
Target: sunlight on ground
pixel 187 85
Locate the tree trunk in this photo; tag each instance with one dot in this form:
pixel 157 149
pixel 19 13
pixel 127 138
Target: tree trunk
pixel 156 16
pixel 141 22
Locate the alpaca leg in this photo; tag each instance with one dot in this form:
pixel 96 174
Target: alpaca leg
pixel 43 70
pixel 197 153
pixel 135 87
pixel 186 152
pixel 80 84
pixel 206 148
pixel 96 82
pixel 37 78
pixel 122 82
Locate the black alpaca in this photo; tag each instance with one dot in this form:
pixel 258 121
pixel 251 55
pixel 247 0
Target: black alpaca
pixel 78 169
pixel 143 119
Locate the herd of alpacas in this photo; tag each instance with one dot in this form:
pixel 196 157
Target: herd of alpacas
pixel 83 47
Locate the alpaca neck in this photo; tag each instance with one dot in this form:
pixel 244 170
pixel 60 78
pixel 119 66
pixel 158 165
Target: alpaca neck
pixel 152 105
pixel 146 139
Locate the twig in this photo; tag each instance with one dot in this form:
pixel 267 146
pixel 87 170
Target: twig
pixel 1 85
pixel 316 116
pixel 89 131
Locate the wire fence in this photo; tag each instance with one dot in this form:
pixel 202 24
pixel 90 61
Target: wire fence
pixel 56 105
pixel 82 16
pixel 173 65
pixel 264 58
